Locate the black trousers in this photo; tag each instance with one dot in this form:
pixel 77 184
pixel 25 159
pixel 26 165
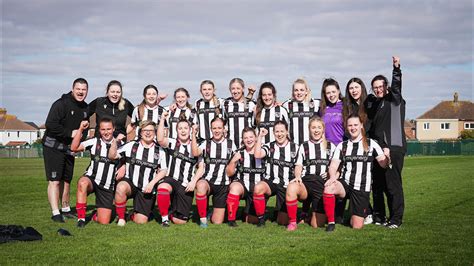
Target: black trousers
pixel 389 182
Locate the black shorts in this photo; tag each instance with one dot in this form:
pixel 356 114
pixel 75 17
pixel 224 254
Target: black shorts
pixel 314 185
pixel 358 200
pixel 103 198
pixel 219 195
pixel 143 203
pixel 248 197
pixel 280 192
pixel 181 201
pixel 58 164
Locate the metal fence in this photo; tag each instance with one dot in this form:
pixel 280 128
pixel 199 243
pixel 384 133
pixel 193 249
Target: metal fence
pixel 414 148
pixel 442 147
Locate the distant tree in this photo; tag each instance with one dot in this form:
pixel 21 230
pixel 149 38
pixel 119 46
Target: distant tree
pixel 467 134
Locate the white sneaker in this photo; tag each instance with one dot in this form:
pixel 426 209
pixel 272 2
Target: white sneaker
pixel 368 219
pixel 121 222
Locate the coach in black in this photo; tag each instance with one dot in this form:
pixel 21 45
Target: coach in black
pixel 62 122
pixel 386 111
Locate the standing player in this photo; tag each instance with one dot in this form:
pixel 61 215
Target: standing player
pixel 148 110
pixel 331 110
pixel 280 162
pixel 99 176
pixel 386 109
pixel 248 171
pixel 63 119
pixel 267 112
pixel 238 110
pixel 216 153
pixel 206 109
pixel 310 174
pixel 301 107
pixel 145 166
pixel 356 156
pixel 181 110
pixel 113 106
pixel 179 180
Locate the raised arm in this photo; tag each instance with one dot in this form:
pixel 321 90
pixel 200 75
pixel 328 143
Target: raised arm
pixel 76 141
pixel 258 151
pixel 396 87
pixel 194 146
pixel 113 155
pixel 160 135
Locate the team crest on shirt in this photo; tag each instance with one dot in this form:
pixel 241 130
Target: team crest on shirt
pixel 311 104
pixel 96 158
pixel 72 112
pixel 105 106
pixel 229 150
pixel 293 154
pixel 156 156
pixel 277 115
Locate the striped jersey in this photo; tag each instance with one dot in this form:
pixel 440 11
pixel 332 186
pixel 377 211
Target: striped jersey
pixel 356 163
pixel 238 115
pixel 299 114
pixel 101 168
pixel 268 118
pixel 280 162
pixel 314 158
pixel 153 114
pixel 142 163
pixel 250 170
pixel 174 117
pixel 216 155
pixel 181 163
pixel 204 113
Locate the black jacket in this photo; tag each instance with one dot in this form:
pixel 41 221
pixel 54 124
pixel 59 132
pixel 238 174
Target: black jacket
pixel 387 116
pixel 65 116
pixel 103 107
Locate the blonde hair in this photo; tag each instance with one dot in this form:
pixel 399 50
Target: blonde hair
pixel 315 118
pixel 307 98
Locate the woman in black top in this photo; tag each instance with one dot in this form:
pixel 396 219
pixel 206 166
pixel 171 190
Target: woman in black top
pixel 113 106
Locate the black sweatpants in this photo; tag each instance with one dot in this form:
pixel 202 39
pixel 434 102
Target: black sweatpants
pixel 389 182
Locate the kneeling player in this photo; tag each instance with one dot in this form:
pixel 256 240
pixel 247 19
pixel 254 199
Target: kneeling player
pixel 356 155
pixel 280 161
pixel 216 153
pixel 249 172
pixel 312 163
pixel 179 182
pixel 99 176
pixel 145 166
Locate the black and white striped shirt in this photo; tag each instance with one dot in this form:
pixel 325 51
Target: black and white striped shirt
pixel 216 155
pixel 204 113
pixel 280 162
pixel 314 158
pixel 101 168
pixel 174 117
pixel 181 163
pixel 268 118
pixel 250 169
pixel 153 114
pixel 142 163
pixel 299 114
pixel 238 115
pixel 357 163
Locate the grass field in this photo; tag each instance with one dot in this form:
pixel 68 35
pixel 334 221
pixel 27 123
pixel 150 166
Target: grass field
pixel 437 228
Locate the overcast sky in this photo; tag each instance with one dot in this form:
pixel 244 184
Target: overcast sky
pixel 47 44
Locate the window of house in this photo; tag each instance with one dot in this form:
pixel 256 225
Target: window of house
pixel 445 126
pixel 18 134
pixel 8 134
pixel 426 126
pixel 468 125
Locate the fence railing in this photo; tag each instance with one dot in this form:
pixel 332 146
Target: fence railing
pixel 414 148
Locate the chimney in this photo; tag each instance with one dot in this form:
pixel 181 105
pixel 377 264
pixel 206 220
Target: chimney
pixel 456 97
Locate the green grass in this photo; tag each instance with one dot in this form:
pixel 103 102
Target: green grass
pixel 437 228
